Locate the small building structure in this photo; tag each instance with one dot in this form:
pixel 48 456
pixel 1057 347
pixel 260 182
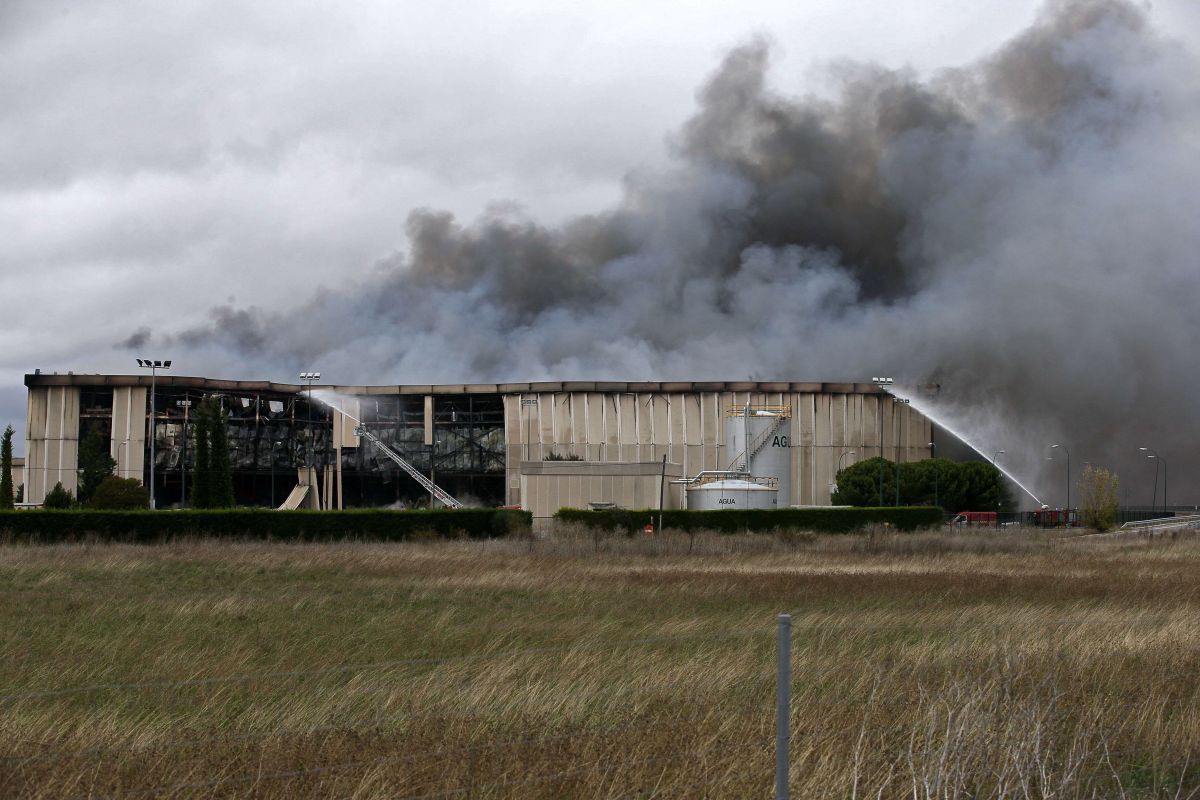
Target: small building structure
pixel 547 486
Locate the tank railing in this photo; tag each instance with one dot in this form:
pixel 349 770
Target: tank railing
pixel 739 411
pixel 761 439
pixel 713 475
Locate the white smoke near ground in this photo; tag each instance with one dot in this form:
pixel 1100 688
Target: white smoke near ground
pixel 1020 231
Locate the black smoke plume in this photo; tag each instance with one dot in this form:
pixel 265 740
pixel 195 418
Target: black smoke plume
pixel 1021 231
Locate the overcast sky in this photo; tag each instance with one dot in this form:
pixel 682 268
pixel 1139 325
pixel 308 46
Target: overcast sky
pixel 164 158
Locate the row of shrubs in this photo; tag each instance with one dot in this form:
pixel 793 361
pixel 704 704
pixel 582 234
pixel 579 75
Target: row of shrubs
pixel 822 520
pixel 384 525
pixel 151 526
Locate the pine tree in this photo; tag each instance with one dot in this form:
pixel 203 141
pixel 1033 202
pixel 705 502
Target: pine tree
pixel 201 478
pixel 6 457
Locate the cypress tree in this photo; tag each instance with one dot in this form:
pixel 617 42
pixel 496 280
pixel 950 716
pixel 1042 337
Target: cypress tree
pixel 95 464
pixel 201 477
pixel 219 468
pixel 6 457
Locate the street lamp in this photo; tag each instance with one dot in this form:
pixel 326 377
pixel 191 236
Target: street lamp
pixel 1068 452
pixel 936 470
pixel 1153 454
pixel 310 377
pixel 119 446
pixel 999 492
pixel 185 405
pixel 154 366
pixel 842 455
pixel 273 446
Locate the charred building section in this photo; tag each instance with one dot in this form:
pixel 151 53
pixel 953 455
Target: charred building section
pixel 275 431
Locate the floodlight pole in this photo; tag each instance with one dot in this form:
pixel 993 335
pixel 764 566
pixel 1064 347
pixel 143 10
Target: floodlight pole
pixel 310 377
pixel 899 431
pixel 881 383
pixel 154 366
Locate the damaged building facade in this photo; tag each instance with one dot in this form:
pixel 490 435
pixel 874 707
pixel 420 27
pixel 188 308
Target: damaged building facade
pixel 486 444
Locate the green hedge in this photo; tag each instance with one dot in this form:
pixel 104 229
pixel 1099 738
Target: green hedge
pixel 824 520
pixel 152 526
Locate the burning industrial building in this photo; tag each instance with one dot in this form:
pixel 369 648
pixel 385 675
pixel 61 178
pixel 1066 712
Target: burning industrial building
pixel 538 445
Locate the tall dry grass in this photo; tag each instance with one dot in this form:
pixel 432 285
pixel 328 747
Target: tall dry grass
pixel 963 664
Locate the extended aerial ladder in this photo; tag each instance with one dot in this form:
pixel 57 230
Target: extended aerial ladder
pixel 441 494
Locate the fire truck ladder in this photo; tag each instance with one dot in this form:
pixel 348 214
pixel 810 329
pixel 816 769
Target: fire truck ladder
pixel 441 494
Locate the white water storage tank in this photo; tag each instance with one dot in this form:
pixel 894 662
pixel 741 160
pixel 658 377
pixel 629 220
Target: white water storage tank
pixel 769 430
pixel 732 493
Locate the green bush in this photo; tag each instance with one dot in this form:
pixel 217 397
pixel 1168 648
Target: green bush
pixel 120 494
pixel 154 526
pixel 955 486
pixel 57 498
pixel 823 520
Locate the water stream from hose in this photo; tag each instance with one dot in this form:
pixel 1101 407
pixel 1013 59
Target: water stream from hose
pixel 916 402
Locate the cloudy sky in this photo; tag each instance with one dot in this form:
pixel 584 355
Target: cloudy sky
pixel 169 163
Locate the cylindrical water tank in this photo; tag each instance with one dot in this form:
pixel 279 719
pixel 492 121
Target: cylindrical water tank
pixel 769 431
pixel 731 493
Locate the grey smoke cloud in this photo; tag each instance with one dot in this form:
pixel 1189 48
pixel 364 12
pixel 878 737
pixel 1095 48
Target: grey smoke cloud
pixel 1019 230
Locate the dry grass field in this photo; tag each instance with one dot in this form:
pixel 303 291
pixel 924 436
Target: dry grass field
pixel 1013 665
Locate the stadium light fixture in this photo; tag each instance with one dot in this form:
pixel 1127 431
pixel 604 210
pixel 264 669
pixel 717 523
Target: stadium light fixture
pixel 310 377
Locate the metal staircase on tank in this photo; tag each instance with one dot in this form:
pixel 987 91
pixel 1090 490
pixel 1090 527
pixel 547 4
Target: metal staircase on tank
pixel 441 494
pixel 741 462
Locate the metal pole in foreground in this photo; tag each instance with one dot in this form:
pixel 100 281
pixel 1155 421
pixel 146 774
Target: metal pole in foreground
pixel 783 706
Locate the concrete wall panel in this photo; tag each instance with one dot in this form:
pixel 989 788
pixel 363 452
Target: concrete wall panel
pixel 563 429
pixel 52 440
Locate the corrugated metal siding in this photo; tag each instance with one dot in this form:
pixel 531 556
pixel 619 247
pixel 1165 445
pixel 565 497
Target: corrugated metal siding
pixel 689 429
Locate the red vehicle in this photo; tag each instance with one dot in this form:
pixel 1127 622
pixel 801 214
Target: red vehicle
pixel 974 519
pixel 1046 517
